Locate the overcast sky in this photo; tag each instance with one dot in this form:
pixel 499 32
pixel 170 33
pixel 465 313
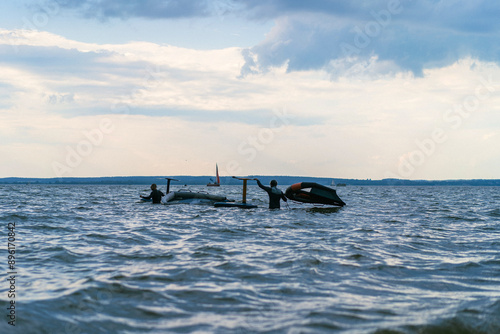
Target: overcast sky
pixel 331 88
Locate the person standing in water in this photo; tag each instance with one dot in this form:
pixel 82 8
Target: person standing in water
pixel 156 195
pixel 275 195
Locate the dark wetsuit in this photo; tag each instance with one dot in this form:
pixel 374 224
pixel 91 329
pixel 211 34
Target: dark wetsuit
pixel 156 195
pixel 274 195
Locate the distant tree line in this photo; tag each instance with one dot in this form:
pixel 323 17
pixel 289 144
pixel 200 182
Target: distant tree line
pixel 226 180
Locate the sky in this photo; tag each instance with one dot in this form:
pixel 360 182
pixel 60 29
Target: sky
pixel 366 89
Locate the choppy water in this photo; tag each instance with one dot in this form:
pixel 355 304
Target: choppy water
pixel 92 259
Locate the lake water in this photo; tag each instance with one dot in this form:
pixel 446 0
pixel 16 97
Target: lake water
pixel 94 259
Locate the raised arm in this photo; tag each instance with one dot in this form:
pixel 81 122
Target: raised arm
pixel 262 186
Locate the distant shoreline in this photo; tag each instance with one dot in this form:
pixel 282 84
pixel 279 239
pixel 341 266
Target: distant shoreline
pixel 226 180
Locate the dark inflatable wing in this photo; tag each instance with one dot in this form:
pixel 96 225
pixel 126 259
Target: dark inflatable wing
pixel 311 192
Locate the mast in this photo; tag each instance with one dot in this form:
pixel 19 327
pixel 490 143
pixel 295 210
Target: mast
pixel 168 183
pixel 217 180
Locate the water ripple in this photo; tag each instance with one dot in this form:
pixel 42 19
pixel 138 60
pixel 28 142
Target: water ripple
pixel 394 260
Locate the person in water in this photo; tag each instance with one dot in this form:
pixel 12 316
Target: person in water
pixel 156 195
pixel 275 195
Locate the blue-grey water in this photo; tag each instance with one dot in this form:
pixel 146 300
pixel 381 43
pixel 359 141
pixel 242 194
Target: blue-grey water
pixel 93 259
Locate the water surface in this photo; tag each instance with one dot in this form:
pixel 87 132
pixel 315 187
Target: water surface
pixel 93 259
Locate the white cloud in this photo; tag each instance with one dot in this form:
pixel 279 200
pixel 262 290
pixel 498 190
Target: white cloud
pixel 176 111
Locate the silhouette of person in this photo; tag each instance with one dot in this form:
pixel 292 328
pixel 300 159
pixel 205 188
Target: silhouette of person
pixel 156 195
pixel 275 195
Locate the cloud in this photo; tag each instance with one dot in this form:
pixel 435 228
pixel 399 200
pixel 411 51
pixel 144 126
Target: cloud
pixel 402 35
pixel 411 36
pixel 48 72
pixel 154 9
pixel 169 104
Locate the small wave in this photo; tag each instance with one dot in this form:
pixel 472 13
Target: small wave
pixel 492 262
pixel 494 213
pixel 462 218
pixel 208 251
pixel 356 256
pixel 311 262
pixel 90 308
pixel 366 230
pixel 142 278
pixel 324 210
pixel 393 221
pixel 59 253
pixel 480 319
pixel 226 230
pixel 144 255
pixel 467 321
pixel 14 217
pixel 94 235
pixel 321 324
pixel 83 208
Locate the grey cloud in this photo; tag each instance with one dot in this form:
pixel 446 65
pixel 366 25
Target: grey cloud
pixel 156 9
pixel 410 34
pixel 253 9
pixel 462 15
